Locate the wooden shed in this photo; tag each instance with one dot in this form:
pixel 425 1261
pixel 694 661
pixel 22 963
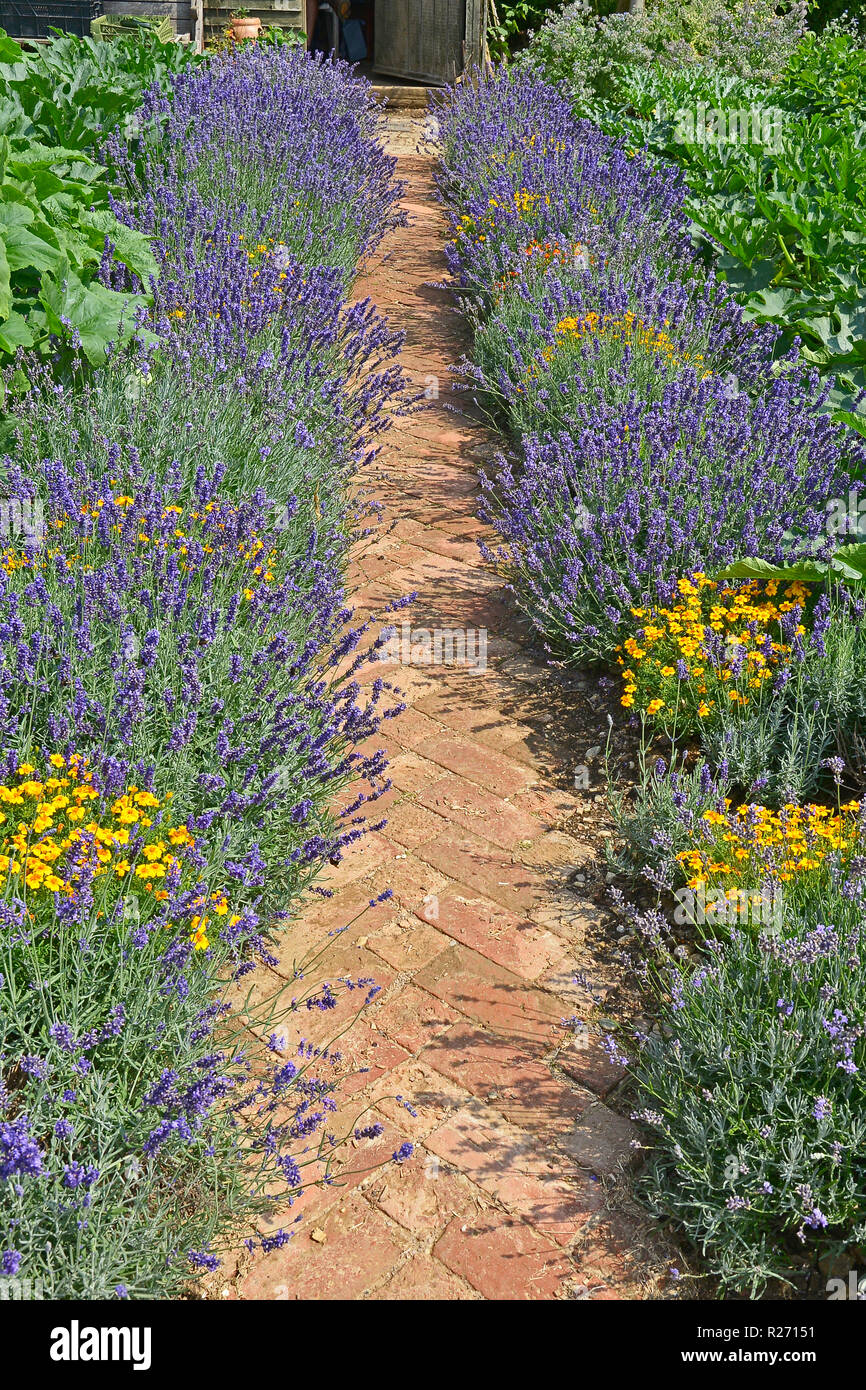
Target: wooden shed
pixel 424 41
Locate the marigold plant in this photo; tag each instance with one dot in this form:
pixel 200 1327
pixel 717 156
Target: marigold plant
pixel 628 329
pixel 60 835
pixel 537 257
pixel 191 533
pixel 746 850
pixel 716 645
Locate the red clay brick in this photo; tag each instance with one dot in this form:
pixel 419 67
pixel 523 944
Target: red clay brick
pixel 477 764
pixel 509 1078
pixel 478 722
pixel 551 805
pixel 413 883
pixel 511 1166
pixel 424 1194
pixel 511 941
pixel 328 922
pixel 413 774
pixel 501 1001
pixel 413 1018
pixel 280 1005
pixel 358 860
pixel 431 1096
pixel 482 867
pixel 368 1056
pixel 410 728
pixel 504 1259
pixel 410 824
pixel 361 1246
pixel 424 1280
pixel 480 811
pixel 407 942
pixel 590 1065
pixel 451 546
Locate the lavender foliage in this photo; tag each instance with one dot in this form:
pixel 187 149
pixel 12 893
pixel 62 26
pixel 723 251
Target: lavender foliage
pixel 176 619
pixel 654 430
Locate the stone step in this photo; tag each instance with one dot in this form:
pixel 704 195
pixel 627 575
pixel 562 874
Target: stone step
pixel 397 96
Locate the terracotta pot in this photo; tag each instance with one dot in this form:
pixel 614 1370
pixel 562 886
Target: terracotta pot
pixel 245 27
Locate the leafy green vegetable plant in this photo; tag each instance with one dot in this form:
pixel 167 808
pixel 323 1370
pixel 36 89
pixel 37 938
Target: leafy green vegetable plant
pixel 56 226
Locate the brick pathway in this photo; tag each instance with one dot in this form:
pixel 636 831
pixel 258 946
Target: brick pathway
pixel 505 1196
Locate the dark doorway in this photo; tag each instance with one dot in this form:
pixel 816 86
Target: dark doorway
pixel 427 41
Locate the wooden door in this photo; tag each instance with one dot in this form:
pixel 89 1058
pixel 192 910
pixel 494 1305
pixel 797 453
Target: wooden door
pixel 427 40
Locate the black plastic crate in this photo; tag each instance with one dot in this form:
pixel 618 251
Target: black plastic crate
pixel 34 19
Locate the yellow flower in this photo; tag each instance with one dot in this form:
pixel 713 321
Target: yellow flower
pixel 742 612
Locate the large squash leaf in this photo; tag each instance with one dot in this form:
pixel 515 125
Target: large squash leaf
pixel 99 315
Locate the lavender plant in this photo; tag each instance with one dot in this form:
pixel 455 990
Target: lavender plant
pixel 752 1095
pixel 655 428
pixel 178 702
pixel 781 747
pixel 661 816
pixel 123 1090
pixel 606 517
pixel 653 434
pixel 547 349
pixel 200 649
pixel 283 145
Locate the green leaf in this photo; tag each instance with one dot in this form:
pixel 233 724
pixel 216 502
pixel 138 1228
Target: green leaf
pixel 10 51
pixel 14 333
pixel 132 248
pixel 99 315
pixel 848 562
pixel 25 247
pixel 756 568
pixel 5 284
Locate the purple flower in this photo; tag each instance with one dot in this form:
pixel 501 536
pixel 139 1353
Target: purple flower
pixel 203 1259
pixel 370 1131
pixel 19 1152
pixel 635 462
pixel 79 1175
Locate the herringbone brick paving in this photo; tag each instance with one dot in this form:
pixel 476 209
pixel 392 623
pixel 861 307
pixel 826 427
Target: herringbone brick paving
pixel 504 1197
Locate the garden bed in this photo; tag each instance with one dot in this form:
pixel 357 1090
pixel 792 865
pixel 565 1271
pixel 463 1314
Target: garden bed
pixel 178 700
pixel 673 464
